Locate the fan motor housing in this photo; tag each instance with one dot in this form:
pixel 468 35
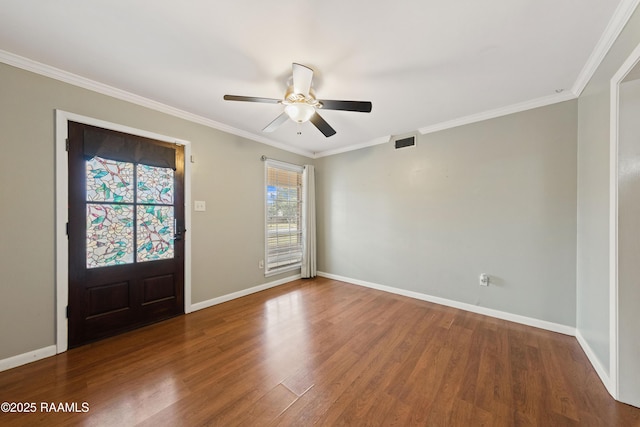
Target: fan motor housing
pixel 291 96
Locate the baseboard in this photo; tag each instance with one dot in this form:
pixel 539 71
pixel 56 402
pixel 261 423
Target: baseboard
pixel 23 359
pixel 32 356
pixel 596 363
pixel 529 321
pixel 224 298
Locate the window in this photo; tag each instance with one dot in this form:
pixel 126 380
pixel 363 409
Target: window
pixel 283 217
pixel 127 203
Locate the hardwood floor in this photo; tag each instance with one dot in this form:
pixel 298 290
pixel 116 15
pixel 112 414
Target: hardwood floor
pixel 321 352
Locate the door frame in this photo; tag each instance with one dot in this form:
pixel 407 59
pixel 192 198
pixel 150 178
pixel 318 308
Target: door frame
pixel 62 215
pixel 614 338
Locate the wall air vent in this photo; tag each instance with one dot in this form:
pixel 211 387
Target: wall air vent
pixel 404 141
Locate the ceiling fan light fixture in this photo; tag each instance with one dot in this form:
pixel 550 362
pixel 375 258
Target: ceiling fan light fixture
pixel 299 112
pixel 300 103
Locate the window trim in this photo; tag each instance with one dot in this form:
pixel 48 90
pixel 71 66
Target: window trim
pixel 270 163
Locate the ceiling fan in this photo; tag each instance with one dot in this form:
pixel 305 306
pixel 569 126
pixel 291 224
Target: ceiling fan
pixel 301 104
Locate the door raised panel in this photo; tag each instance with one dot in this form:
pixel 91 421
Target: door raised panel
pixel 106 299
pixel 158 289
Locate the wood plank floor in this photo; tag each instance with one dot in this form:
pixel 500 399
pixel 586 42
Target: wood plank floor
pixel 321 352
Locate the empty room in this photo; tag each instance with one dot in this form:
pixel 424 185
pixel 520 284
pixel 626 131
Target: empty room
pixel 327 213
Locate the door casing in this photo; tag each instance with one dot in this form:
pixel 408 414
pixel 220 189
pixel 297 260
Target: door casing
pixel 61 219
pixel 613 384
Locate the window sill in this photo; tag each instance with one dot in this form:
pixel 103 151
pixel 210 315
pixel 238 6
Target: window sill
pixel 282 270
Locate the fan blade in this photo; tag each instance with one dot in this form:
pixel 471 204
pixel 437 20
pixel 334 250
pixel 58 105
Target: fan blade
pixel 322 125
pixel 250 99
pixel 302 77
pixel 359 106
pixel 276 123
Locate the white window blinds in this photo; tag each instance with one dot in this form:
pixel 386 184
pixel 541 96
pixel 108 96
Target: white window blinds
pixel 283 216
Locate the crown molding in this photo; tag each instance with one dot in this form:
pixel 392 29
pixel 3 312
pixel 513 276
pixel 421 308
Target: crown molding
pixel 620 18
pixel 377 141
pixel 615 26
pixel 499 112
pixel 104 89
pixel 486 115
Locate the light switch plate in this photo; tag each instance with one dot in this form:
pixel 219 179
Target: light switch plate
pixel 199 206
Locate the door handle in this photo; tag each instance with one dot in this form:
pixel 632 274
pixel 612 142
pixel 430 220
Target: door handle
pixel 179 231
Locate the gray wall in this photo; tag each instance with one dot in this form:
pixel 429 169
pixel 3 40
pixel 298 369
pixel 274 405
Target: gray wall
pixel 227 240
pixel 593 196
pixel 629 241
pixel 497 197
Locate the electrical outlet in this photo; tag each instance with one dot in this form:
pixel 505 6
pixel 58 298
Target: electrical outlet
pixel 484 279
pixel 261 264
pixel 199 206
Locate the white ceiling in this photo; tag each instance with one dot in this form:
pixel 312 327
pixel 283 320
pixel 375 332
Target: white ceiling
pixel 423 63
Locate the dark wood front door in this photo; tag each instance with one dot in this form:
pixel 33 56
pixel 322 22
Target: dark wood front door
pixel 126 232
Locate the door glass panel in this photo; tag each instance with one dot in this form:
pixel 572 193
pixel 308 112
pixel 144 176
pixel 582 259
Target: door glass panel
pixel 123 218
pixel 155 233
pixel 109 181
pixel 109 234
pixel 155 185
